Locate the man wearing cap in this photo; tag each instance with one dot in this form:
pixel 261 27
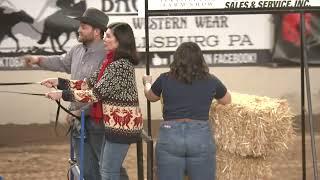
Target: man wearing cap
pixel 81 61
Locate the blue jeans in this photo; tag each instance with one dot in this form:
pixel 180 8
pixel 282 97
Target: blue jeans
pixel 112 159
pixel 185 148
pixel 93 146
pixel 94 137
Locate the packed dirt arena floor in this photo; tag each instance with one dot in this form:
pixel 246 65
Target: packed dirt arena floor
pixel 34 152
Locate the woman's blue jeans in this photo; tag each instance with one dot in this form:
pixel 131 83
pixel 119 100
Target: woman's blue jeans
pixel 185 148
pixel 112 157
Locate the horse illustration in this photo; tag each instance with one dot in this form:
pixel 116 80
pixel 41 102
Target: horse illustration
pixel 59 23
pixel 8 20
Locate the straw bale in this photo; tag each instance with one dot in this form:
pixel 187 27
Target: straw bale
pixel 235 167
pixel 253 125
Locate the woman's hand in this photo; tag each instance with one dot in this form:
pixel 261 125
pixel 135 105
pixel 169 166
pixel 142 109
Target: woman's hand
pixel 50 82
pixel 54 95
pixel 84 85
pixel 146 79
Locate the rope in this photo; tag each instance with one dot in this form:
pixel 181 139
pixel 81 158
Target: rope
pixel 19 83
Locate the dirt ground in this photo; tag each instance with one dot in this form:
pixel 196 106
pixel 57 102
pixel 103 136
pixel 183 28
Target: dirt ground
pixel 34 152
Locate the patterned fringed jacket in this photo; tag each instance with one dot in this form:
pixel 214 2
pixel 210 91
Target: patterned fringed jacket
pixel 117 90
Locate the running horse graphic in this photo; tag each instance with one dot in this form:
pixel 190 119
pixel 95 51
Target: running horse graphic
pixel 8 20
pixel 60 23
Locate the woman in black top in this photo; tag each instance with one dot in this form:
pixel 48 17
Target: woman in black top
pixel 185 143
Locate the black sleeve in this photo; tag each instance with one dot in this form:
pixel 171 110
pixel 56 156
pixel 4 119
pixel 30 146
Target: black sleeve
pixel 67 95
pixel 157 86
pixel 63 84
pixel 221 89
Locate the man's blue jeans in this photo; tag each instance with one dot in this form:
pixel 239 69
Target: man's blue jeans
pixel 93 144
pixel 185 148
pixel 112 159
pixel 94 137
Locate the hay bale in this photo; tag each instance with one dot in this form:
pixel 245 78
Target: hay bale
pixel 252 125
pixel 234 167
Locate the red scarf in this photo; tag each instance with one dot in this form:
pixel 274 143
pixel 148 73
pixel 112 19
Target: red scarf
pixel 96 112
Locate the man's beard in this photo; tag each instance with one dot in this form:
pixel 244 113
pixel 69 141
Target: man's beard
pixel 85 40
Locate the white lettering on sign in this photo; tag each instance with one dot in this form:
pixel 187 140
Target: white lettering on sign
pixel 235 58
pixel 11 62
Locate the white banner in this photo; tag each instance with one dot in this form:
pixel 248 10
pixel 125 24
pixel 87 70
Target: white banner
pixel 220 32
pixel 211 32
pixel 227 4
pixel 224 39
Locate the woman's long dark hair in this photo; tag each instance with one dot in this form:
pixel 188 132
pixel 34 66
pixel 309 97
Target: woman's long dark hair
pixel 189 64
pixel 127 44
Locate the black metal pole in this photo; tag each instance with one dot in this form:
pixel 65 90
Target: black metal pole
pixel 303 116
pixel 150 161
pixel 310 118
pixel 149 144
pixel 140 160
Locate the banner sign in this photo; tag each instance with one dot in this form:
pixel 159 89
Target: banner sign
pixel 227 4
pixel 164 58
pixel 210 32
pixel 46 27
pixel 217 58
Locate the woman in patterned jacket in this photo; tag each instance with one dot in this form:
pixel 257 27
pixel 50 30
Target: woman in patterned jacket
pixel 113 91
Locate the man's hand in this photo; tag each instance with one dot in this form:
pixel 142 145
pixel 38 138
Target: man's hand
pixel 69 118
pixel 50 82
pixel 30 60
